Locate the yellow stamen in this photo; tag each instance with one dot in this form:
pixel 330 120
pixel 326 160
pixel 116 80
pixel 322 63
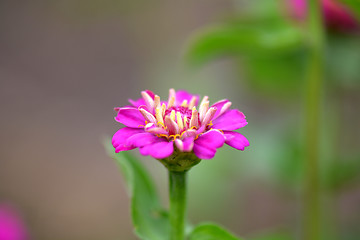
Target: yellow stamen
pixel 174 136
pixel 182 134
pixel 156 101
pixel 172 95
pixel 184 103
pixel 172 92
pixel 171 102
pixel 185 121
pixel 204 107
pixel 179 121
pixel 143 125
pixel 172 115
pixel 161 125
pixel 192 102
pixel 194 121
pixel 159 117
pixel 205 99
pixel 164 135
pixel 163 109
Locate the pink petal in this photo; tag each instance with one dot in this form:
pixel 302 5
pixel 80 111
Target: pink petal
pixel 120 137
pixel 200 130
pixel 148 116
pixel 298 8
pixel 236 140
pixel 151 94
pixel 130 117
pixel 185 145
pixel 182 95
pixel 204 152
pixel 189 133
pixel 149 101
pixel 211 139
pixel 141 101
pixel 159 150
pixel 141 139
pixel 205 146
pixel 230 120
pixel 137 103
pixel 219 105
pixel 338 16
pixel 152 128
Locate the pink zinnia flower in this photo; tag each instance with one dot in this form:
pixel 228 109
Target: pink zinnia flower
pixel 337 16
pixel 11 224
pixel 160 129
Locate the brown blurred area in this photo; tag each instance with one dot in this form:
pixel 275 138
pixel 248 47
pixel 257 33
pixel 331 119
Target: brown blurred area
pixel 64 65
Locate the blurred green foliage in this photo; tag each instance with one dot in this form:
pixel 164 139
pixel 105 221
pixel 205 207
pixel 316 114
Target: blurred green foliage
pixel 341 174
pixel 343 60
pixel 149 218
pixel 289 170
pixel 271 50
pixel 246 37
pixel 354 5
pixel 211 232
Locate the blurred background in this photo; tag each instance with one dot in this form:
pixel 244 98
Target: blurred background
pixel 64 66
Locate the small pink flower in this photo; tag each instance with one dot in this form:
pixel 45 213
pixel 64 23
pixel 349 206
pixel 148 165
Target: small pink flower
pixel 337 16
pixel 159 128
pixel 11 225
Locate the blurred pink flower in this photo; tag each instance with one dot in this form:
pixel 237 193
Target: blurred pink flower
pixel 157 127
pixel 337 16
pixel 11 224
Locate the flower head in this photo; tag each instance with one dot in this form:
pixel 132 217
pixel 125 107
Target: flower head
pixel 164 129
pixel 336 15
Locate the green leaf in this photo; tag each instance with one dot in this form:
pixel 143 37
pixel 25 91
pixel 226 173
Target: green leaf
pixel 342 173
pixel 354 5
pixel 210 231
pixel 250 37
pixel 272 50
pixel 279 75
pixel 149 219
pixel 343 60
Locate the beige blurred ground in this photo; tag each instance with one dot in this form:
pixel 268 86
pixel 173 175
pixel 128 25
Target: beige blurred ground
pixel 63 66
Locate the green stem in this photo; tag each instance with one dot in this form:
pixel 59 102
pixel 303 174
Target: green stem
pixel 177 204
pixel 312 105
